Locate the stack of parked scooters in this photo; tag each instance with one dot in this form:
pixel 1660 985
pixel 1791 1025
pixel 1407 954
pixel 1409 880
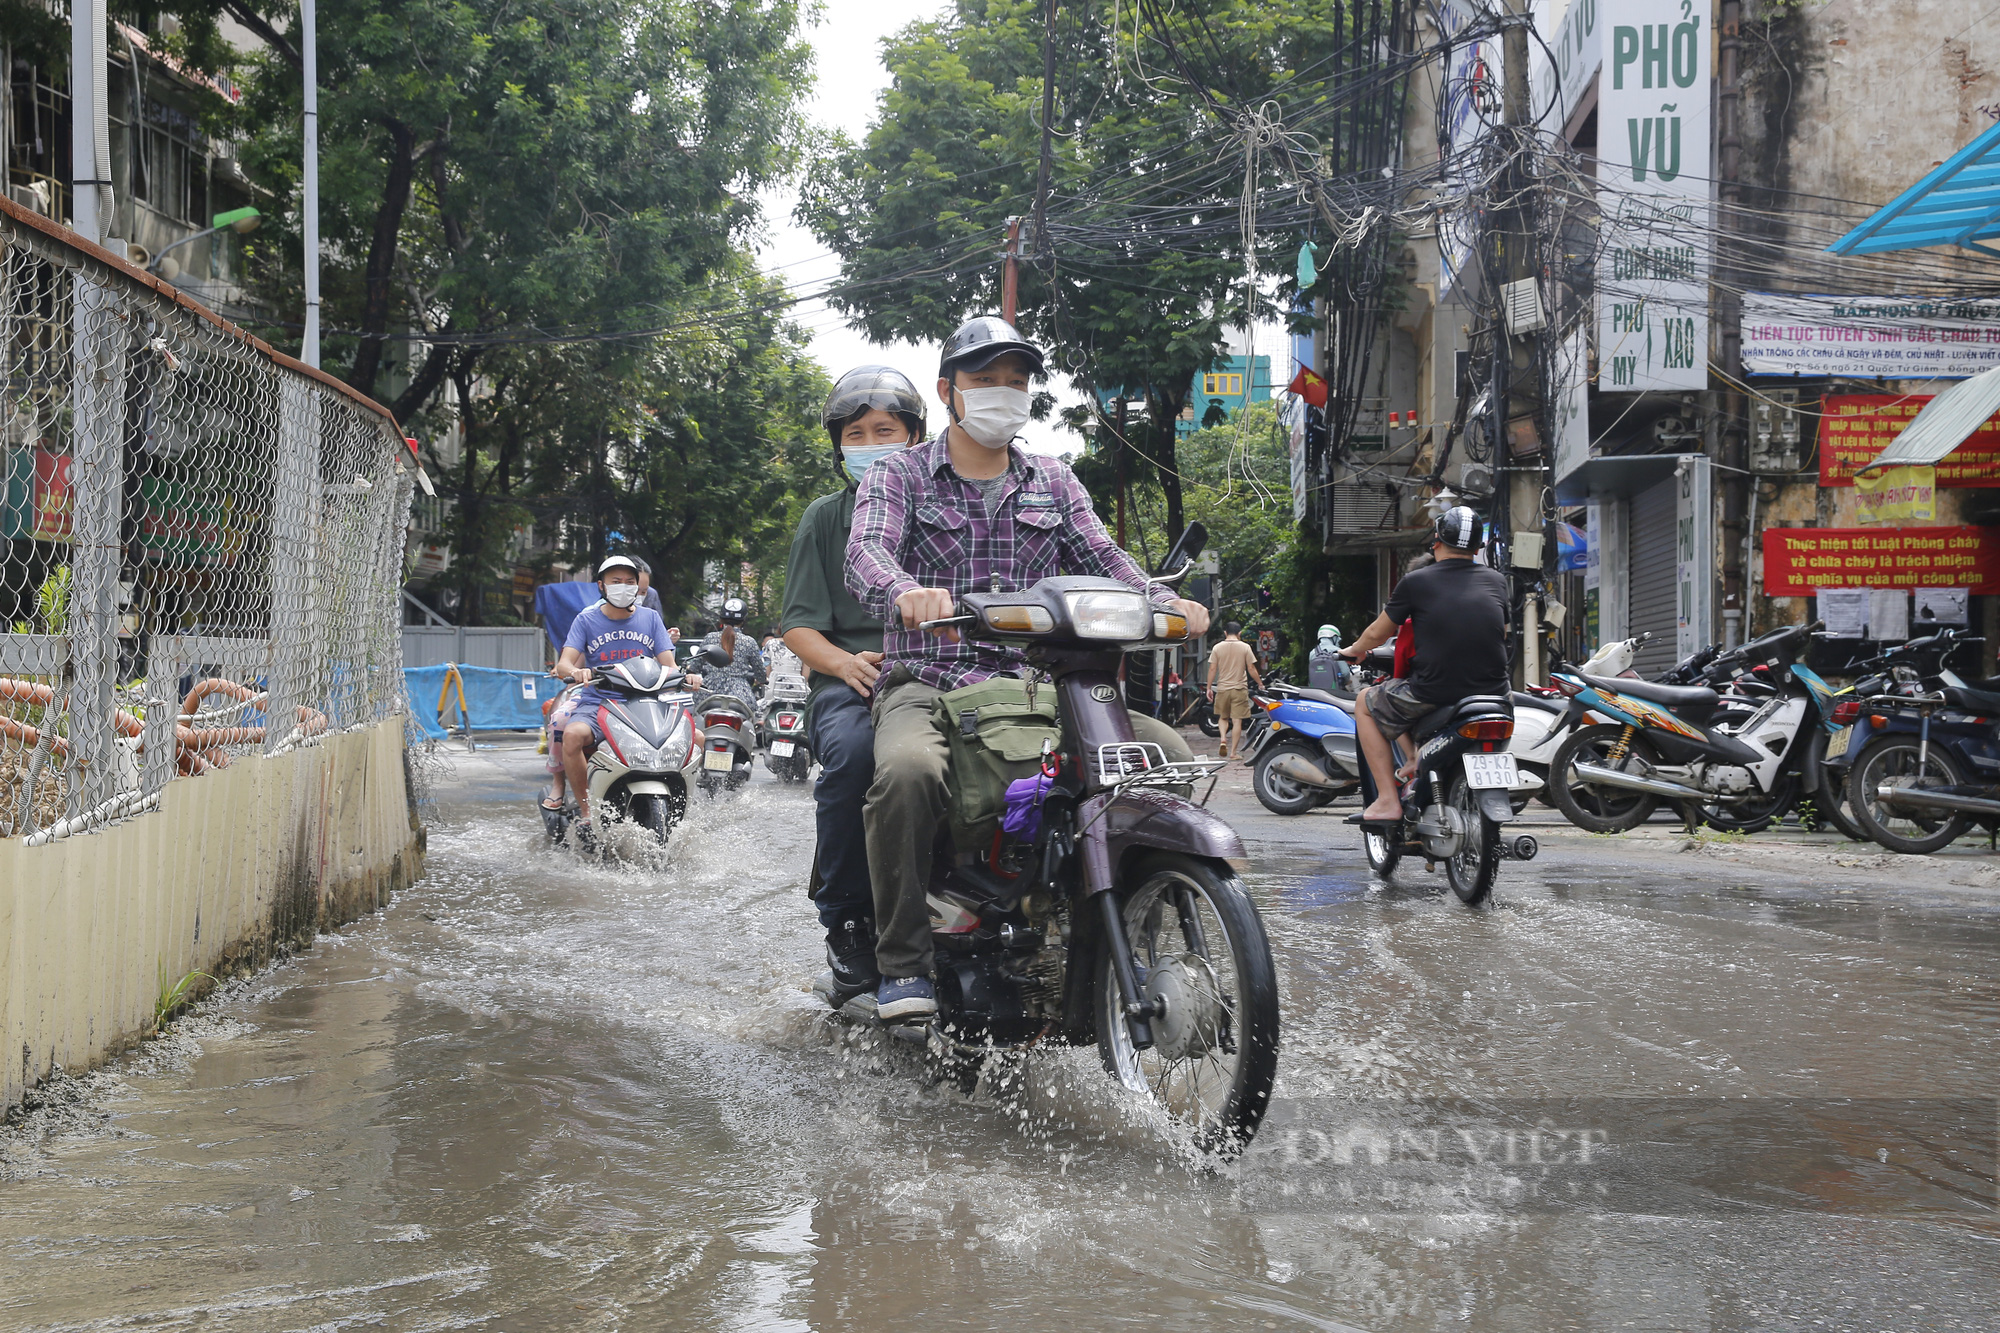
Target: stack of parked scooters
pixel 1736 740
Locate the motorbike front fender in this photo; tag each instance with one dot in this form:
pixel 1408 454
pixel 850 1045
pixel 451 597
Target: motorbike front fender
pixel 1137 818
pixel 647 787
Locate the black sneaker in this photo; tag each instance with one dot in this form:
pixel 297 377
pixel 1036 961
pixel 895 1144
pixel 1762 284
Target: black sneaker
pixel 850 952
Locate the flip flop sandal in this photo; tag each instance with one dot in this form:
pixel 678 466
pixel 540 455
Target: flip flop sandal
pixel 552 809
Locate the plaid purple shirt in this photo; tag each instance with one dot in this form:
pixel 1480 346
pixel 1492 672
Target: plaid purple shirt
pixel 918 524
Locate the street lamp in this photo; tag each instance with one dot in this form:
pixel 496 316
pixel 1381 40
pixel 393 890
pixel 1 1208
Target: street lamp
pixel 239 220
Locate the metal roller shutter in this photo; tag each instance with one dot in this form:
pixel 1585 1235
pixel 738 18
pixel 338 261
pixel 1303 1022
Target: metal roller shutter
pixel 1651 575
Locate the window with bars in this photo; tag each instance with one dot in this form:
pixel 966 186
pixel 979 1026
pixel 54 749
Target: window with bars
pixel 170 170
pixel 38 173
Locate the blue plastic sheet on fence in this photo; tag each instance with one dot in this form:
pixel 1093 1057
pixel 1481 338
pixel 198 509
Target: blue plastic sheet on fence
pixel 560 603
pixel 494 700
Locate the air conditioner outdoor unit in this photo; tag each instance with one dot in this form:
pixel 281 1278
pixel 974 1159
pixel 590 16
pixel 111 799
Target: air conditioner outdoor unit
pixel 1356 508
pixel 1523 300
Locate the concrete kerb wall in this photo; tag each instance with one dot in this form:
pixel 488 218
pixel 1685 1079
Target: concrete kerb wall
pixel 233 867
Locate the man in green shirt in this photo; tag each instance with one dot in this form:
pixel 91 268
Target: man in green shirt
pixel 873 411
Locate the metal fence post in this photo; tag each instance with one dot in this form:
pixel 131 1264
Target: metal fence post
pixel 97 490
pixel 295 489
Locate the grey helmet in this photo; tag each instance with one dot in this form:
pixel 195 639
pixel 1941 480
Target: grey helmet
pixel 1460 528
pixel 866 387
pixel 981 341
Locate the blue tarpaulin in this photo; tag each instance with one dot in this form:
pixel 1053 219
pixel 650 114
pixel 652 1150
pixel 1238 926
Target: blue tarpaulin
pixel 558 604
pixel 494 700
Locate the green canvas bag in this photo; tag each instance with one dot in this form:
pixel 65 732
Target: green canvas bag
pixel 995 731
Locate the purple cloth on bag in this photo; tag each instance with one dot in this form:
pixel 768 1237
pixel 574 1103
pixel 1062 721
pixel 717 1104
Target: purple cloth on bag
pixel 1024 806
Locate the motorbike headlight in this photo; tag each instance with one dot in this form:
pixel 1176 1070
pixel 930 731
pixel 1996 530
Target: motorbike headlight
pixel 630 745
pixel 674 749
pixel 1104 614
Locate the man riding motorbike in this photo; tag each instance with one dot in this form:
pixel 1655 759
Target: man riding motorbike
pixel 967 511
pixel 1457 609
pixel 873 412
pixel 745 675
pixel 614 630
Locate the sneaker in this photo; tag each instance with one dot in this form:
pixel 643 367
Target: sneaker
pixel 850 953
pixel 901 999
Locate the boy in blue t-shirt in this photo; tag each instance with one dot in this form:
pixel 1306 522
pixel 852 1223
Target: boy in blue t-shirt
pixel 616 630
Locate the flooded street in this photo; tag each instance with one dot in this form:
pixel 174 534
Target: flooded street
pixel 539 1094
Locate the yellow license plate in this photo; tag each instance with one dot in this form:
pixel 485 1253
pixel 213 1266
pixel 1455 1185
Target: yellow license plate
pixel 1836 744
pixel 718 759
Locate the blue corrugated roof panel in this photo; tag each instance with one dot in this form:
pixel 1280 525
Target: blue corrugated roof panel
pixel 1957 204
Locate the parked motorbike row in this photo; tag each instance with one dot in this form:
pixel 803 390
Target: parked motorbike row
pixel 1736 740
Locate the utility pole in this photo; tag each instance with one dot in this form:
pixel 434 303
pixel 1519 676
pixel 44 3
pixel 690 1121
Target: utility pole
pixel 1522 493
pixel 1010 274
pixel 1736 479
pixel 309 51
pixel 90 211
pixel 1118 457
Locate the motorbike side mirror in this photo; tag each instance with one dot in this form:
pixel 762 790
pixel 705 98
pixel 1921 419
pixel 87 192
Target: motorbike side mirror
pixel 1193 538
pixel 715 657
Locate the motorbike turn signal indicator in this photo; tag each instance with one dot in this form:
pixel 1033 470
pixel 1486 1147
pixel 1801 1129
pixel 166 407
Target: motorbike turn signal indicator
pixel 1167 625
pixel 1020 619
pixel 1488 729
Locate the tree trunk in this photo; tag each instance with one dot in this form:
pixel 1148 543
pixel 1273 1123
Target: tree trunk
pixel 1163 412
pixel 470 538
pixel 381 265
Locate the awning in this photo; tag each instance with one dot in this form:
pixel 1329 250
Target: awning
pixel 1957 204
pixel 1946 422
pixel 1616 474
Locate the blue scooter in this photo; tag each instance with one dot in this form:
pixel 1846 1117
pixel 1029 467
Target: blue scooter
pixel 1305 754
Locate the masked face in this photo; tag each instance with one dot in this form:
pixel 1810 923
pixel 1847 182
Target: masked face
pixel 621 595
pixel 991 404
pixel 870 438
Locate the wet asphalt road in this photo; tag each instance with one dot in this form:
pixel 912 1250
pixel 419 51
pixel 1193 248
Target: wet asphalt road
pixel 1656 1085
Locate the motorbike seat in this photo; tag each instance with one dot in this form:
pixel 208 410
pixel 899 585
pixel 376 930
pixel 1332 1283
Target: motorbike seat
pixel 1439 718
pixel 1973 700
pixel 1535 701
pixel 1690 701
pixel 1322 697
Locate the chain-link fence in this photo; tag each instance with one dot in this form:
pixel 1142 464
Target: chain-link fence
pixel 204 542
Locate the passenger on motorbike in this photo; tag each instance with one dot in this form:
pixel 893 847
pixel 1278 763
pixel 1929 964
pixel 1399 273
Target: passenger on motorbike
pixel 614 630
pixel 1457 609
pixel 873 412
pixel 967 511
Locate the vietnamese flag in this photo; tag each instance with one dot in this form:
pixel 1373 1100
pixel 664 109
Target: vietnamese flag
pixel 1308 386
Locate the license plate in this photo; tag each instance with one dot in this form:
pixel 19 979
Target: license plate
pixel 1486 772
pixel 718 759
pixel 782 749
pixel 1836 744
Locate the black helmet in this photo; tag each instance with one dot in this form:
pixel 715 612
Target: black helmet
pixel 981 341
pixel 733 610
pixel 866 387
pixel 1460 529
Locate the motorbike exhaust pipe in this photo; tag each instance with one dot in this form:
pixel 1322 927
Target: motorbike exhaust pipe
pixel 1611 777
pixel 1916 798
pixel 1299 769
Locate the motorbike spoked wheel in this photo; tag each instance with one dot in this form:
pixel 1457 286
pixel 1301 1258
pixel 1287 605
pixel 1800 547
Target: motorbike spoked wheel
pixel 1598 809
pixel 1470 870
pixel 1754 813
pixel 1898 761
pixel 1829 800
pixel 1278 793
pixel 1202 957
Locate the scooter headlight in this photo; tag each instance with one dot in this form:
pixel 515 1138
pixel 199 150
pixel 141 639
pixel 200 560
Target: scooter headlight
pixel 673 750
pixel 631 748
pixel 1105 614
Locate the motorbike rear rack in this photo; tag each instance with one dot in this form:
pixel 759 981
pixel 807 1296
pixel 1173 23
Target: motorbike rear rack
pixel 1145 764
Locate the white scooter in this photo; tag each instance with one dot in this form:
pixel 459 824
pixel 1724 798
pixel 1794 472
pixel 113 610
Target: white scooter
pixel 642 769
pixel 1537 719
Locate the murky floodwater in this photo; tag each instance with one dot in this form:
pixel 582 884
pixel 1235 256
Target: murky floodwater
pixel 539 1095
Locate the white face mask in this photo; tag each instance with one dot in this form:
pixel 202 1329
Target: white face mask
pixel 994 416
pixel 858 458
pixel 621 595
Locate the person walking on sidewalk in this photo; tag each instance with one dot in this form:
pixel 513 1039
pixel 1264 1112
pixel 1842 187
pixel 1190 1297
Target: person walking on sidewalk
pixel 1231 667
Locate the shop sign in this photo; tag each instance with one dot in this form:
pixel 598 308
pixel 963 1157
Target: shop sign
pixel 1855 428
pixel 1653 145
pixel 1888 337
pixel 37 498
pixel 180 524
pixel 1905 494
pixel 1799 561
pixel 1694 554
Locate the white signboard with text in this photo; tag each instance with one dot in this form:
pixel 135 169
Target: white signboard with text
pixel 1694 556
pixel 1888 336
pixel 1654 170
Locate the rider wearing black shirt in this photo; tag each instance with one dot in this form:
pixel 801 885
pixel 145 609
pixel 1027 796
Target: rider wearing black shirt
pixel 1458 608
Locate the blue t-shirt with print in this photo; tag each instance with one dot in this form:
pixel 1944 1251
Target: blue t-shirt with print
pixel 605 642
